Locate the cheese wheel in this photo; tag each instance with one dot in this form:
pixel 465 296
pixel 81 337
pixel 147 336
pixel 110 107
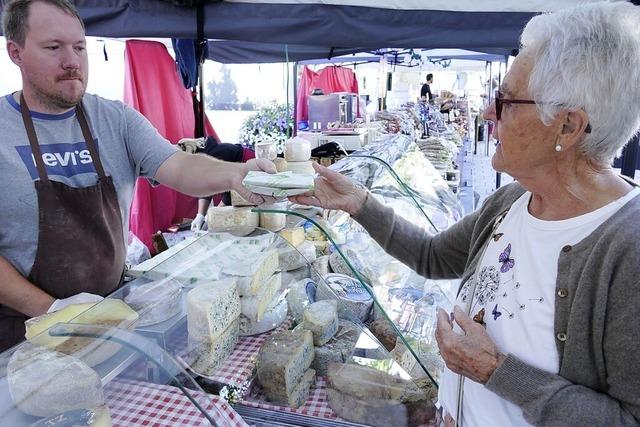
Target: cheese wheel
pixel 237 221
pixel 273 221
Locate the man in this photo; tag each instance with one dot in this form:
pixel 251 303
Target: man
pixel 69 164
pixel 426 89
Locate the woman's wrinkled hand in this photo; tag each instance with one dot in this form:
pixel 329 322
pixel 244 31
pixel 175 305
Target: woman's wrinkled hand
pixel 333 191
pixel 474 354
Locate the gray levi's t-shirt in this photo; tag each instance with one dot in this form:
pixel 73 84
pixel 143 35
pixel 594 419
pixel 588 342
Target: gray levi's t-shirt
pixel 128 146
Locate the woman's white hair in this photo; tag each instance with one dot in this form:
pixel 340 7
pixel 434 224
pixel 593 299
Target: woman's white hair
pixel 588 57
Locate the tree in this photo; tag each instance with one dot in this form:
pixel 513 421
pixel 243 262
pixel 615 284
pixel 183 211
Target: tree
pixel 222 94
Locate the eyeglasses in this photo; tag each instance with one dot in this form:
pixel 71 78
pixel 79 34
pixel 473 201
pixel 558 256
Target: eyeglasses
pixel 500 101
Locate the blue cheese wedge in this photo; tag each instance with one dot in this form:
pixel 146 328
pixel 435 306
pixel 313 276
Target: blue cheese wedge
pixel 253 307
pixel 339 349
pixel 211 308
pixel 282 362
pixel 321 318
pixel 205 357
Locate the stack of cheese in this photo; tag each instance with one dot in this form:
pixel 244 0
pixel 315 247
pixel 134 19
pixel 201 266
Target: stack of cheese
pixel 259 283
pixel 213 311
pixel 271 221
pixel 368 396
pixel 298 252
pixel 297 153
pixel 239 221
pixel 283 367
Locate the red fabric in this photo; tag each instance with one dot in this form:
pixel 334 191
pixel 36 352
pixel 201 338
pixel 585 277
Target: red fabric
pixel 329 79
pixel 153 87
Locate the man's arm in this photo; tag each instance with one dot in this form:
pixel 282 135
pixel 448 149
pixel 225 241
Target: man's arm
pixel 200 175
pixel 19 294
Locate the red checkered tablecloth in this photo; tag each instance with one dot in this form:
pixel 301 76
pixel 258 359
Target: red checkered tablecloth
pixel 133 404
pixel 238 368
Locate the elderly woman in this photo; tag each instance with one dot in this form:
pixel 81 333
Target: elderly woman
pixel 546 327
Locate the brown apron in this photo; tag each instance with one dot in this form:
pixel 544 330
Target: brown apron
pixel 80 240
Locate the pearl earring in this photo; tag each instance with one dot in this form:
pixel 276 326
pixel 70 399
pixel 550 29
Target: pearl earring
pixel 558 147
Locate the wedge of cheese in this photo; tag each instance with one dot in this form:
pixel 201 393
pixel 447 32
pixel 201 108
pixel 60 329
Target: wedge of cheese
pixel 205 357
pixel 321 318
pixel 211 308
pixel 254 306
pixel 237 221
pixel 45 382
pixel 292 258
pixel 283 360
pixel 295 236
pixel 298 394
pixel 250 279
pixel 112 313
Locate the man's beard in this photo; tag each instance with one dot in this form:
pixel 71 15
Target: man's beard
pixel 58 98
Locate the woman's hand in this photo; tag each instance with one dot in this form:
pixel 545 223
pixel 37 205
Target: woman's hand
pixel 473 355
pixel 333 191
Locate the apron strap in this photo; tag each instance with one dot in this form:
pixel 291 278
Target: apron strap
pixel 33 139
pixel 88 137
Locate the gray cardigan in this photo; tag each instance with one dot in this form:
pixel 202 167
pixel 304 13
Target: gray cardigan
pixel 597 310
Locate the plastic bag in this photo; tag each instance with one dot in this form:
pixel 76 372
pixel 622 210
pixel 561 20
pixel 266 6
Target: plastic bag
pixel 137 252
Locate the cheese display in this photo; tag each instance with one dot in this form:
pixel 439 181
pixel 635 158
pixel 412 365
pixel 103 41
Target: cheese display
pixel 292 258
pixel 281 184
pixel 354 301
pixel 254 306
pixel 303 168
pixel 271 319
pixel 97 417
pixel 321 318
pixel 301 294
pixel 320 267
pixel 338 264
pixel 239 201
pixel 367 395
pixel 237 221
pixel 338 349
pixel 112 313
pixel 273 221
pixel 44 382
pixel 206 356
pixel 295 236
pixel 281 164
pixel 283 360
pixel 297 150
pixel 254 270
pixel 211 308
pixel 155 302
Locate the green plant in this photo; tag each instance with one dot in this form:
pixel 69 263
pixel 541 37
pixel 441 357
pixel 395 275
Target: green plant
pixel 270 123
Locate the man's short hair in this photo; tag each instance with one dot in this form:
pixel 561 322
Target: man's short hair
pixel 429 76
pixel 15 16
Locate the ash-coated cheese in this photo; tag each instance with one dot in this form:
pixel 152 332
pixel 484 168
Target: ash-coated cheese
pixel 283 360
pixel 205 357
pixel 321 318
pixel 110 312
pixel 44 382
pixel 237 221
pixel 271 319
pixel 338 265
pixel 301 294
pixel 211 308
pixel 252 276
pixel 319 268
pixel 96 417
pixel 295 236
pixel 354 301
pixel 298 395
pixel 254 306
pixel 291 258
pixel 339 349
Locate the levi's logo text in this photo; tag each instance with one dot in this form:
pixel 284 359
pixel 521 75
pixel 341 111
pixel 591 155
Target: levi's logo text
pixel 66 160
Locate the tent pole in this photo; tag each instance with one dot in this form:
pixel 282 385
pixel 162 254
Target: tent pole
pixel 295 98
pixel 202 116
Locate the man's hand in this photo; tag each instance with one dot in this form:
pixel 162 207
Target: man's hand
pixel 333 191
pixel 253 165
pixel 473 355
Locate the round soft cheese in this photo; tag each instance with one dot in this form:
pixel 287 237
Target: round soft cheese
pixel 354 300
pixel 297 150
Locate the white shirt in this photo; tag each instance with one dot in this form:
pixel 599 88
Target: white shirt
pixel 516 288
